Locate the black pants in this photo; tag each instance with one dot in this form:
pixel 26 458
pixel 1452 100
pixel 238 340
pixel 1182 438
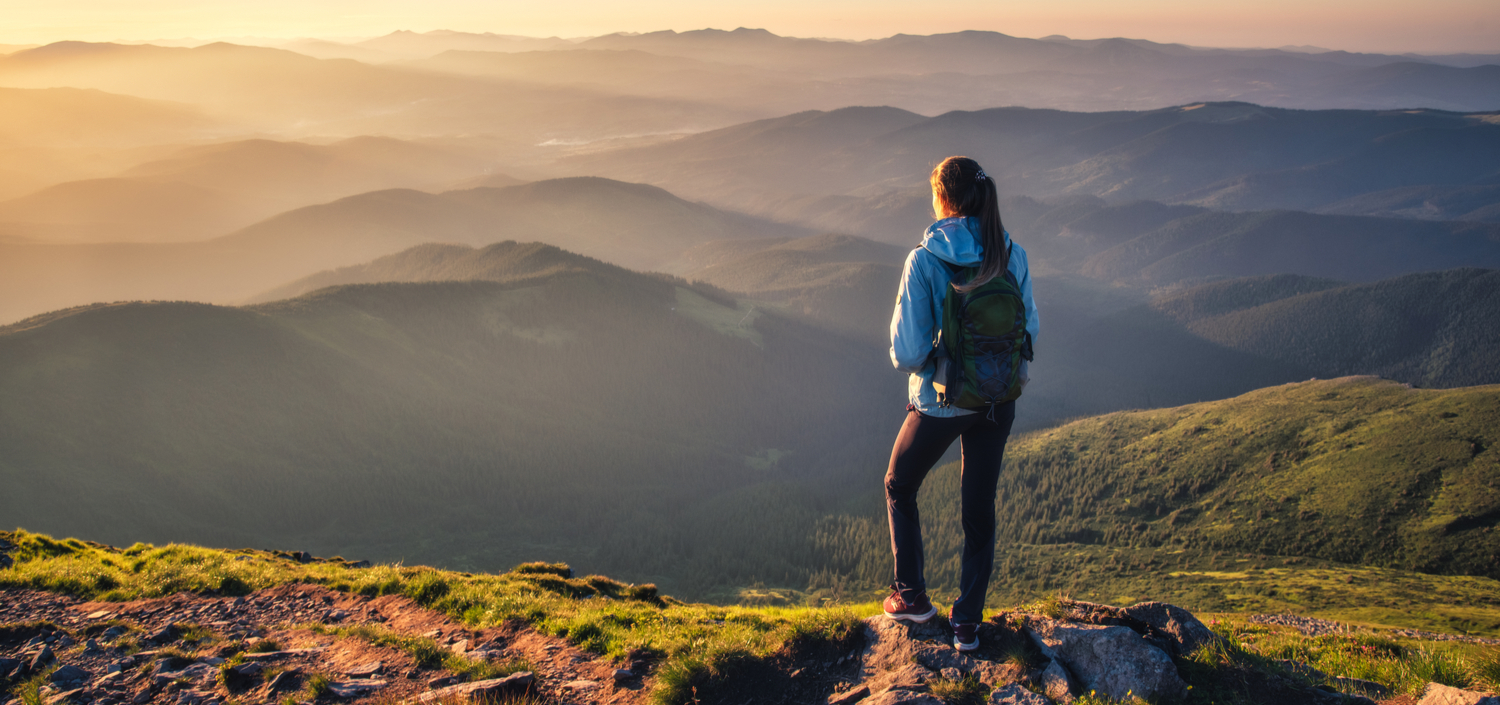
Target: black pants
pixel 921 443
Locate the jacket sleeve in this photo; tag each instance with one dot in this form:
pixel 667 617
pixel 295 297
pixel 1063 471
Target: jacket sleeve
pixel 1023 278
pixel 913 325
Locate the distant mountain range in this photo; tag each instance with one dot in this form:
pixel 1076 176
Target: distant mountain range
pixel 634 225
pixel 201 192
pixel 1221 155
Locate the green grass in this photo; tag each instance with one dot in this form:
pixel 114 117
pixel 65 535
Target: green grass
pixel 964 691
pixel 696 643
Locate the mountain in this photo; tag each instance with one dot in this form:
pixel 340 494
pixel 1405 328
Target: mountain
pixel 1436 329
pixel 633 225
pixel 205 191
pixel 843 282
pixel 433 262
pixel 73 117
pixel 1426 202
pixel 1357 248
pixel 1222 155
pixel 424 44
pixel 293 95
pixel 577 407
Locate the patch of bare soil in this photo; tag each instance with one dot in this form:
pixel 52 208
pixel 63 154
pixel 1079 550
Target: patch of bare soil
pixel 175 650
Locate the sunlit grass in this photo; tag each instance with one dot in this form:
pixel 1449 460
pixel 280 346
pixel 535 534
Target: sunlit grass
pixel 695 643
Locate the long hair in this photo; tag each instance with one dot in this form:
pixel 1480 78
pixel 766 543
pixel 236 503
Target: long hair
pixel 962 188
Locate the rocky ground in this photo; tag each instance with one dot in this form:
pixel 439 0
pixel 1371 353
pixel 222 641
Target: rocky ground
pixel 281 643
pixel 301 643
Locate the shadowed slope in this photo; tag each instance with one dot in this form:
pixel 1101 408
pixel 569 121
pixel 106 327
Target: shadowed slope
pixel 1438 329
pixel 474 421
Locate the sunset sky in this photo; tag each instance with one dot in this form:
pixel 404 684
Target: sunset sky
pixel 1433 26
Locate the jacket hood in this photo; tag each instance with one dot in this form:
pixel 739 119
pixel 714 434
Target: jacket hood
pixel 955 241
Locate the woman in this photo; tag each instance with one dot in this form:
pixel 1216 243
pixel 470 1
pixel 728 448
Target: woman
pixel 968 233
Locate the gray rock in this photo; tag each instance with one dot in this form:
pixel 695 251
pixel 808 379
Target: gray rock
pixel 1056 682
pixel 354 688
pixel 1014 694
pixel 994 674
pixel 250 670
pixel 952 674
pixel 893 697
pixel 623 674
pixel 9 666
pixel 851 696
pixel 43 657
pixel 1115 661
pixel 164 635
pixel 70 674
pixel 1439 694
pixel 364 670
pixel 1186 632
pixel 493 688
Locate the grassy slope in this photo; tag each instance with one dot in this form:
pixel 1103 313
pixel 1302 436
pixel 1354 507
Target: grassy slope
pixel 706 652
pixel 1323 474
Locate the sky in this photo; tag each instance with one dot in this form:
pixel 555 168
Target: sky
pixel 1387 26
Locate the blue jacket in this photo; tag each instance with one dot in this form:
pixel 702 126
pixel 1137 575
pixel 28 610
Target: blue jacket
pixel 919 303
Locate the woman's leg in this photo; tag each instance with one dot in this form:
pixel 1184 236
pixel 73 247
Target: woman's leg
pixel 983 450
pixel 919 446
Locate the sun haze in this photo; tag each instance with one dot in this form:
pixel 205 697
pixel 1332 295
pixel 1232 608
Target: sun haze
pixel 1441 26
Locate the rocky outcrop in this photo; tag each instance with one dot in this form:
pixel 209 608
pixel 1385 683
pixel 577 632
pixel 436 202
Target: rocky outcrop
pixel 903 656
pixel 1114 661
pixel 1439 694
pixel 1014 694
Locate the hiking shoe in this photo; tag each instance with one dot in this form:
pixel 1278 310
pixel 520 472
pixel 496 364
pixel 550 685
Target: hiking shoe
pixel 919 610
pixel 965 636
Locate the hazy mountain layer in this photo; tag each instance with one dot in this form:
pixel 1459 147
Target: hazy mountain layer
pixel 474 422
pixel 1216 154
pixel 629 224
pixel 287 93
pixel 201 192
pixel 1439 329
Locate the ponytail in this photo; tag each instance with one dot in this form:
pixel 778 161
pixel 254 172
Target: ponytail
pixel 963 188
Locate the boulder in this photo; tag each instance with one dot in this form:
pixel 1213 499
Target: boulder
pixel 1014 694
pixel 894 697
pixel 1439 694
pixel 1056 682
pixel 364 670
pixel 354 688
pixel 493 688
pixel 850 696
pixel 1186 633
pixel 1114 661
pixel 69 674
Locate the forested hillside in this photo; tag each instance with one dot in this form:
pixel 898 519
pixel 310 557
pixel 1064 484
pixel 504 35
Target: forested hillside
pixel 475 424
pixel 1353 470
pixel 1437 329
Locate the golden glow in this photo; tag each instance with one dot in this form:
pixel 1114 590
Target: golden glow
pixel 1438 26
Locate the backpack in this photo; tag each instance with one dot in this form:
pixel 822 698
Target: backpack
pixel 984 337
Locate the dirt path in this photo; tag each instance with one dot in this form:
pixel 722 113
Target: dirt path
pixel 170 650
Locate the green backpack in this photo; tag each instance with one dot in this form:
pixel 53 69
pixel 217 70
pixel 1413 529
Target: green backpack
pixel 984 337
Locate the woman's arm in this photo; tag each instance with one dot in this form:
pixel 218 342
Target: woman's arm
pixel 913 326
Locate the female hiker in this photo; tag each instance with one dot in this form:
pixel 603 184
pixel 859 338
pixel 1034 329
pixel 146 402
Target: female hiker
pixel 968 234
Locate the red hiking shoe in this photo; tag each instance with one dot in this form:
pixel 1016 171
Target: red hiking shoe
pixel 919 610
